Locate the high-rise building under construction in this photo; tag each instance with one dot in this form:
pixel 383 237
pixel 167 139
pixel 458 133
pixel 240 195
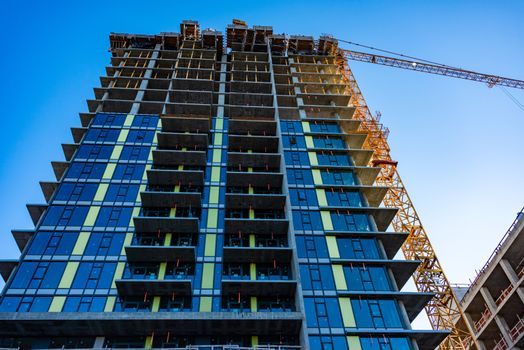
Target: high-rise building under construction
pixel 217 193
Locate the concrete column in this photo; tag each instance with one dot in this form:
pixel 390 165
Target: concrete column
pixel 504 329
pixel 143 84
pixel 514 279
pixel 492 306
pixel 304 338
pixel 404 313
pixel 111 83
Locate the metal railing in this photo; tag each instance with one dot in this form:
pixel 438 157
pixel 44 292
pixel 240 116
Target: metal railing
pixel 508 233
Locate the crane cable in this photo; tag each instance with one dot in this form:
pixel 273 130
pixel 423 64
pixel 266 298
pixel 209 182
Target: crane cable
pixel 511 97
pixel 506 92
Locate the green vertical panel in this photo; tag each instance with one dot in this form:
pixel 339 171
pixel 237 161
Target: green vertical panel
pixel 148 167
pixel 136 212
pixel 252 240
pixel 110 304
pixel 217 155
pixel 150 157
pixel 57 304
pixel 167 240
pixel 101 192
pixel 215 174
pixel 253 304
pixel 118 273
pixel 91 216
pixel 340 279
pixel 205 304
pixel 108 173
pixel 326 220
pixel 127 241
pixel 129 120
pixel 209 249
pixel 219 124
pixel 218 139
pixel 81 243
pixel 207 275
pixel 69 274
pixel 162 270
pixel 253 271
pixel 213 194
pixel 155 138
pixel 312 158
pixel 212 218
pixel 347 313
pixel 149 342
pixel 305 127
pixel 353 343
pixel 116 152
pixel 123 135
pixel 317 177
pixel 309 142
pixel 139 196
pixel 332 247
pixel 321 197
pixel 156 304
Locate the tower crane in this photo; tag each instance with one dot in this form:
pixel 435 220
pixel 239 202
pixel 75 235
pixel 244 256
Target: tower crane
pixel 444 310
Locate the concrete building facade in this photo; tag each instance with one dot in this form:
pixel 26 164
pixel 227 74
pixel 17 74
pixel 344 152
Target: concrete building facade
pixel 494 302
pixel 217 195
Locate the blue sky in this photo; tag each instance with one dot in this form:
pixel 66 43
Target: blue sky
pixel 459 143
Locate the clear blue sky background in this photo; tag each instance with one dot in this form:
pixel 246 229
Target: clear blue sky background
pixel 459 144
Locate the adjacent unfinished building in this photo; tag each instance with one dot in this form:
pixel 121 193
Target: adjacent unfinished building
pixel 494 303
pixel 217 195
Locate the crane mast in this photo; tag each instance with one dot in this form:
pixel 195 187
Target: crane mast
pixel 444 311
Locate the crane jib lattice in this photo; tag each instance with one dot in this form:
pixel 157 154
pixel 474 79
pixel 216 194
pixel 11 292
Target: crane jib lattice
pixel 443 310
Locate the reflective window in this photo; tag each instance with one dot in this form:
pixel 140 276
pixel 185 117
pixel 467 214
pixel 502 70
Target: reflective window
pixel 300 177
pixel 293 141
pixel 376 314
pixel 140 136
pixel 84 304
pixel 43 275
pixel 103 244
pixel 134 153
pixel 102 135
pixel 350 222
pixel 145 121
pixel 128 172
pixel 358 248
pixel 58 215
pixel 79 170
pixel 121 193
pixel 303 197
pixel 114 216
pixel 109 120
pixel 69 191
pixel 93 152
pixel 94 275
pixel 51 243
pixel 296 158
pixel 369 278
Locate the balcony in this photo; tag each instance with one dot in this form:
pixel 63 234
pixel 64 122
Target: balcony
pixel 242 160
pixel 257 144
pixel 246 179
pixel 175 177
pixel 171 140
pixel 259 287
pixel 163 199
pixel 175 158
pixel 255 201
pixel 252 127
pixel 154 224
pixel 136 253
pixel 186 123
pixel 153 287
pixel 257 254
